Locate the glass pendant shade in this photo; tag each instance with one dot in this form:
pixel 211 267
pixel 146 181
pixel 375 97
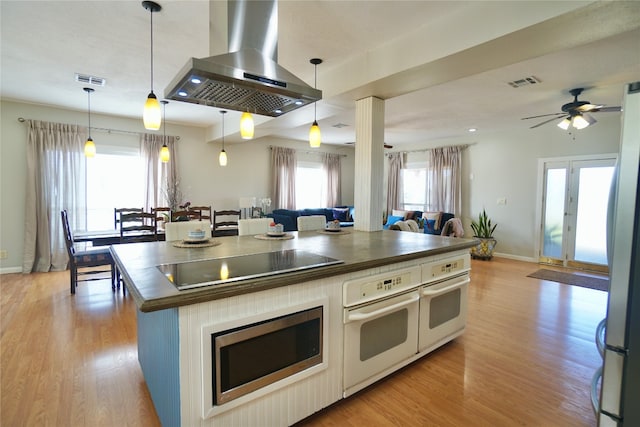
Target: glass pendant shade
pixel 314 135
pixel 222 159
pixel 564 124
pixel 89 148
pixel 580 122
pixel 246 126
pixel 152 114
pixel 164 154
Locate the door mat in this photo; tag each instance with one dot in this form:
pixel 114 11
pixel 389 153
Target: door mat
pixel 576 279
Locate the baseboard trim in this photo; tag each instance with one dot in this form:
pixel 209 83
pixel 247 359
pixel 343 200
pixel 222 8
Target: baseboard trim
pixel 8 270
pixel 515 257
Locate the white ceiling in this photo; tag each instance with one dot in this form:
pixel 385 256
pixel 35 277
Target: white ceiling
pixel 442 67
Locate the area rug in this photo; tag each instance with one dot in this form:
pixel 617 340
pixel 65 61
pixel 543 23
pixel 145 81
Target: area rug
pixel 576 279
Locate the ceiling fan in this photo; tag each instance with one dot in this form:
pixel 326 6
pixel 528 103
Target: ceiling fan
pixel 574 112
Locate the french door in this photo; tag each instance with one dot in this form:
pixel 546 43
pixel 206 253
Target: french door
pixel 574 213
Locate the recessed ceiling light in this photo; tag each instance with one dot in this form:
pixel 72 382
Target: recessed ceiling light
pixel 182 93
pixel 278 111
pixel 196 80
pixel 472 129
pixel 298 102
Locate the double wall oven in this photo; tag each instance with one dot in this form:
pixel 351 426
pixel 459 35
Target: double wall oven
pixel 393 318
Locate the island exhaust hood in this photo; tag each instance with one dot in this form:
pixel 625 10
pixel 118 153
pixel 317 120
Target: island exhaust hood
pixel 248 78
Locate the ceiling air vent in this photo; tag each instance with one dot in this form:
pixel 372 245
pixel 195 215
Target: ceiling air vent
pixel 340 125
pixel 91 80
pixel 525 81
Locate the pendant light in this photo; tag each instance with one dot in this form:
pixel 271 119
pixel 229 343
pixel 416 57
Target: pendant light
pixel 222 159
pixel 151 115
pixel 314 133
pixel 165 156
pixel 89 146
pixel 246 125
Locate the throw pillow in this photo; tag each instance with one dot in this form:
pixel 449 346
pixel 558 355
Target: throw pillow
pixel 435 216
pixel 341 214
pixel 392 219
pixel 429 226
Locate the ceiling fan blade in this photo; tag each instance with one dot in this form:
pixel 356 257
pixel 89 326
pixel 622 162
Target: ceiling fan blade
pixel 543 123
pixel 543 115
pixel 606 110
pixel 588 107
pixel 388 146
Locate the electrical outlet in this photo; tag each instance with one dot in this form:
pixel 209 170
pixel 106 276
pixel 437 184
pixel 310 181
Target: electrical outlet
pixel 502 201
pixel 4 254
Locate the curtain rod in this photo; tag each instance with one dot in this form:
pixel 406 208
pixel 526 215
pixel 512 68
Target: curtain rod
pixel 107 130
pixel 310 152
pixel 463 146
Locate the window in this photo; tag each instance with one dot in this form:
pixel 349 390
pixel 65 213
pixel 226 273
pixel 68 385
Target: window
pixel 310 185
pixel 115 178
pixel 414 185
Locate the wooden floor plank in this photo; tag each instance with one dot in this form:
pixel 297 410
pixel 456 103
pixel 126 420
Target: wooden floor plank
pixel 526 358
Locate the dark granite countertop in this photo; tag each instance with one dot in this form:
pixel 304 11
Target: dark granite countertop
pixel 359 250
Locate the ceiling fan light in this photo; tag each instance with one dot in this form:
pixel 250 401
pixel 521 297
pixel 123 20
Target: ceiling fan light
pixel 89 148
pixel 565 123
pixel 152 114
pixel 581 121
pixel 246 126
pixel 165 156
pixel 315 138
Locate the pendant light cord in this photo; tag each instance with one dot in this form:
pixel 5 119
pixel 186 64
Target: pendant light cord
pixel 151 11
pixel 315 86
pixel 223 113
pixel 89 110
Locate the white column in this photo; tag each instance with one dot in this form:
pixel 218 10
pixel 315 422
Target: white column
pixel 369 164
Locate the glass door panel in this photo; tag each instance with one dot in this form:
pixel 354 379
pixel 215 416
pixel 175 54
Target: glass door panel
pixel 574 213
pixel 593 181
pixel 554 213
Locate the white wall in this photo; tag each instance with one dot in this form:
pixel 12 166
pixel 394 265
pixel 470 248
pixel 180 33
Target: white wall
pixel 203 180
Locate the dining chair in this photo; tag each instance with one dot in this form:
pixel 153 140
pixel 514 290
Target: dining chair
pixel 179 230
pixel 82 263
pixel 252 226
pixel 162 213
pixel 203 211
pixel 185 215
pixel 311 222
pixel 119 211
pixel 138 227
pixel 225 223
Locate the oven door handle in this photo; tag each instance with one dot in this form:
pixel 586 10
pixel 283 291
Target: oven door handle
pixel 425 292
pixel 354 316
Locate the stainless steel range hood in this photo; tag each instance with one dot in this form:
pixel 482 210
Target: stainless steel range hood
pixel 248 78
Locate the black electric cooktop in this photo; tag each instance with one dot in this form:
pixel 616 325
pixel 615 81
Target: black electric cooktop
pixel 208 272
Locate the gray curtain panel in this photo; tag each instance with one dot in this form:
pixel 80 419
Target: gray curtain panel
pixel 395 193
pixel 56 170
pixel 331 166
pixel 445 186
pixel 159 176
pixel 283 177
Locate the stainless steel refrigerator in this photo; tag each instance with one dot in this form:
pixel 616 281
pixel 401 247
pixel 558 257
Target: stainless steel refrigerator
pixel 618 336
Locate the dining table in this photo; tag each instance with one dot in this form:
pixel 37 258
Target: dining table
pixel 106 237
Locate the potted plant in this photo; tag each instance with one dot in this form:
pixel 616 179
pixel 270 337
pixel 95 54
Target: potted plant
pixel 483 230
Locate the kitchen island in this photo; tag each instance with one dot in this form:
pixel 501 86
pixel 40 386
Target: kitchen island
pixel 175 326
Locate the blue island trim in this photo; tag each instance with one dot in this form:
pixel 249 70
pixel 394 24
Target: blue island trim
pixel 159 357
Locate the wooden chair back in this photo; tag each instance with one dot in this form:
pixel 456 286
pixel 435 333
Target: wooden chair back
pixel 138 227
pixel 187 215
pixel 225 222
pixel 204 212
pixel 161 212
pixel 119 211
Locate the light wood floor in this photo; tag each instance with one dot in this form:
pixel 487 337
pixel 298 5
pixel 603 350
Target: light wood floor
pixel 526 359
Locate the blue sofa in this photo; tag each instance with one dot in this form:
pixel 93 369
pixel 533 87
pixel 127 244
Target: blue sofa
pixel 289 218
pixel 429 226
